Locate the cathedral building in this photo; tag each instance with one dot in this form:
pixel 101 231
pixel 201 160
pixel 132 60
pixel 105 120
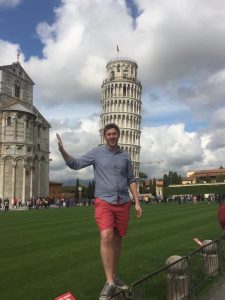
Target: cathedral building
pixel 24 138
pixel 121 104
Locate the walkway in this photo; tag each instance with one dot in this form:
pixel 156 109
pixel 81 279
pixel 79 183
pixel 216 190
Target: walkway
pixel 216 291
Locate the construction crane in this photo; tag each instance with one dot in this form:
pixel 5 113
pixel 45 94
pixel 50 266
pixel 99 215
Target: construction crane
pixel 153 162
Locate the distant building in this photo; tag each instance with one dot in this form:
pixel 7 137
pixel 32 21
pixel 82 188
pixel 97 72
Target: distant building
pixel 159 188
pixel 210 178
pixel 24 138
pixel 204 176
pixel 55 190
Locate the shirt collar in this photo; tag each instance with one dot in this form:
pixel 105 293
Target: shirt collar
pixel 117 151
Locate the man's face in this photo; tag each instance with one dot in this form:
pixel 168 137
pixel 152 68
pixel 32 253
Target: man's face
pixel 112 137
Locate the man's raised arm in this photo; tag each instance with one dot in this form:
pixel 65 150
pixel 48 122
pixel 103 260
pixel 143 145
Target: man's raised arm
pixel 65 155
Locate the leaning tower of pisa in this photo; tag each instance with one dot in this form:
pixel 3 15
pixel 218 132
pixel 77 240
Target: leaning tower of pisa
pixel 121 104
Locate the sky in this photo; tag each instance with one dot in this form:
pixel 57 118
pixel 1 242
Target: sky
pixel 179 47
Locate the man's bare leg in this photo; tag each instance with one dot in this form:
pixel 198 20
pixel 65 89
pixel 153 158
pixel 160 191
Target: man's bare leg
pixel 110 252
pixel 117 250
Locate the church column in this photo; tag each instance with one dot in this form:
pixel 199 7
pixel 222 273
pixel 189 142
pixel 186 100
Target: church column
pixel 1 179
pixel 15 128
pixel 24 184
pixel 39 177
pixel 13 178
pixel 25 128
pixel 31 180
pixel 47 171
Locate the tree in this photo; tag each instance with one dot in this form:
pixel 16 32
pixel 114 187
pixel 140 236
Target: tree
pixel 175 178
pixel 166 180
pixel 93 189
pixel 220 178
pixel 208 179
pixel 171 178
pixel 154 187
pixel 76 192
pixel 151 187
pixel 197 180
pixel 142 175
pixel 89 191
pixel 180 179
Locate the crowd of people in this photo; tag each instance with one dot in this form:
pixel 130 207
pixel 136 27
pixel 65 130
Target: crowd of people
pixel 180 199
pixel 43 202
pixel 46 202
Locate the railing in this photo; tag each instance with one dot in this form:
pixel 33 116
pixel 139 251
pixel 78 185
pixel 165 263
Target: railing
pixel 170 282
pixel 205 263
pixel 121 58
pixel 121 78
pixel 180 280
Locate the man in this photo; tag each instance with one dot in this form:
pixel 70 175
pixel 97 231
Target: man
pixel 113 176
pixel 221 217
pixel 221 212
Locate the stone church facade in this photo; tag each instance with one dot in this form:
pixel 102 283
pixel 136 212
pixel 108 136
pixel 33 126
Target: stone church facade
pixel 24 138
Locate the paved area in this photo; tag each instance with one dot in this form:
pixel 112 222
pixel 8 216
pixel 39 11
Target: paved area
pixel 216 291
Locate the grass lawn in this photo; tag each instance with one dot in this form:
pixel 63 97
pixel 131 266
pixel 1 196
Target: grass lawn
pixel 44 253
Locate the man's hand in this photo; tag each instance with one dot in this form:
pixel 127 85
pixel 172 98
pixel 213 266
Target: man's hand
pixel 60 144
pixel 65 155
pixel 138 210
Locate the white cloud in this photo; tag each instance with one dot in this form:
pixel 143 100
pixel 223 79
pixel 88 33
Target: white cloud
pixel 8 51
pixel 173 145
pixel 9 3
pixel 166 44
pixel 78 138
pixel 179 46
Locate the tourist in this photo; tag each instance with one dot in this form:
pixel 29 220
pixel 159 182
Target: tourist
pixel 221 212
pixel 19 202
pixel 6 204
pixel 113 176
pixel 14 202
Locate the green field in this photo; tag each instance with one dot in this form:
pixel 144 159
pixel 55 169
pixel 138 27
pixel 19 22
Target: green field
pixel 44 253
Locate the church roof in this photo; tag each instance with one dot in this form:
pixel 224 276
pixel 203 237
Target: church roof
pixel 18 107
pixel 17 69
pixel 10 104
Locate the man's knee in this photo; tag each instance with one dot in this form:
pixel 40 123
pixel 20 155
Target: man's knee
pixel 107 236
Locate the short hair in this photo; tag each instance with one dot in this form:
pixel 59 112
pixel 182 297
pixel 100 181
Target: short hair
pixel 110 126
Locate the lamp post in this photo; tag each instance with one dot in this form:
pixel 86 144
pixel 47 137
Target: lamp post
pixel 80 193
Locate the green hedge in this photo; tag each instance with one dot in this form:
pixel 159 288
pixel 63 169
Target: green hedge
pixel 195 189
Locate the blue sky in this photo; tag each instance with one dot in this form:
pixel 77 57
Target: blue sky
pixel 18 24
pixel 178 45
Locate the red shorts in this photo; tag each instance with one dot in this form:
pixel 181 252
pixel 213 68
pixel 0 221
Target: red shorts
pixel 112 216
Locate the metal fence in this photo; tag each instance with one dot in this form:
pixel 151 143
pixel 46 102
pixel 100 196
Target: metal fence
pixel 182 279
